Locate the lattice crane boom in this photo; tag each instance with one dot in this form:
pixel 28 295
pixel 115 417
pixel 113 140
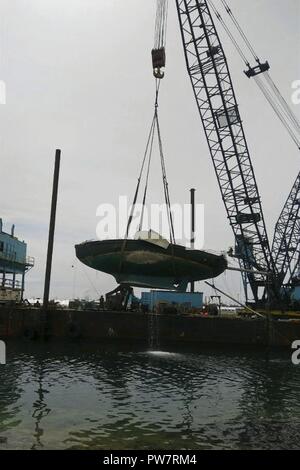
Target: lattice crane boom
pixel 286 242
pixel 217 104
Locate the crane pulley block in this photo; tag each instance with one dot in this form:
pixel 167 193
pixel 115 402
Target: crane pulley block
pixel 242 218
pixel 257 70
pixel 158 62
pixel 213 50
pixel 251 200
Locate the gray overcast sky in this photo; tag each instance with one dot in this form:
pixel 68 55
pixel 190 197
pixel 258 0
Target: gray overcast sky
pixel 78 77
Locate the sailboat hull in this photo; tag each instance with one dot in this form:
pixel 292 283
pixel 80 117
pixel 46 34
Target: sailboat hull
pixel 143 264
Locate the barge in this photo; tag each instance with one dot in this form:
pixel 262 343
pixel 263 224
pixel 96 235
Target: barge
pixel 101 325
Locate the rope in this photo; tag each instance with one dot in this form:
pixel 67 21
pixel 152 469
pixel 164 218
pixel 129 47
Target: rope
pixel 161 24
pixel 283 102
pixel 90 281
pixel 165 182
pixel 130 218
pixel 277 111
pixel 148 153
pixel 159 43
pixel 281 107
pixel 148 172
pixel 268 77
pixel 139 179
pixel 240 30
pixel 155 126
pixel 229 33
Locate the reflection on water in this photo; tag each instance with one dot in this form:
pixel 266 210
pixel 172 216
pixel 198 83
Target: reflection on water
pixel 163 354
pixel 88 396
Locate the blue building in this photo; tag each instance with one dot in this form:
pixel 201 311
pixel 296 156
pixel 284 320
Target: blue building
pixel 154 297
pixel 296 293
pixel 14 264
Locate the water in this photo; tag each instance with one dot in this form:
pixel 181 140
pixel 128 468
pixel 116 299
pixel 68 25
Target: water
pixel 83 396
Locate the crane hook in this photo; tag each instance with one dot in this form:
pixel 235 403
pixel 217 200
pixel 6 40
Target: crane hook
pixel 158 73
pixel 158 62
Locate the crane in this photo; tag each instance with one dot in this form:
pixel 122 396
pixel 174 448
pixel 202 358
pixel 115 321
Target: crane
pixel 286 242
pixel 213 89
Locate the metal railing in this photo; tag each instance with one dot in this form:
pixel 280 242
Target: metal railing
pixel 9 283
pixel 11 257
pixel 30 261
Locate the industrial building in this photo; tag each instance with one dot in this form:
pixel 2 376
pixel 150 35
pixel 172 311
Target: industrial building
pixel 14 264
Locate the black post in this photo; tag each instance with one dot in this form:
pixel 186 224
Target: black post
pixel 192 227
pixel 51 229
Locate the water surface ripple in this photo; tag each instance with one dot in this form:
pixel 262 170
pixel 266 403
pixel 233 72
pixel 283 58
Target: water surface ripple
pixel 90 396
